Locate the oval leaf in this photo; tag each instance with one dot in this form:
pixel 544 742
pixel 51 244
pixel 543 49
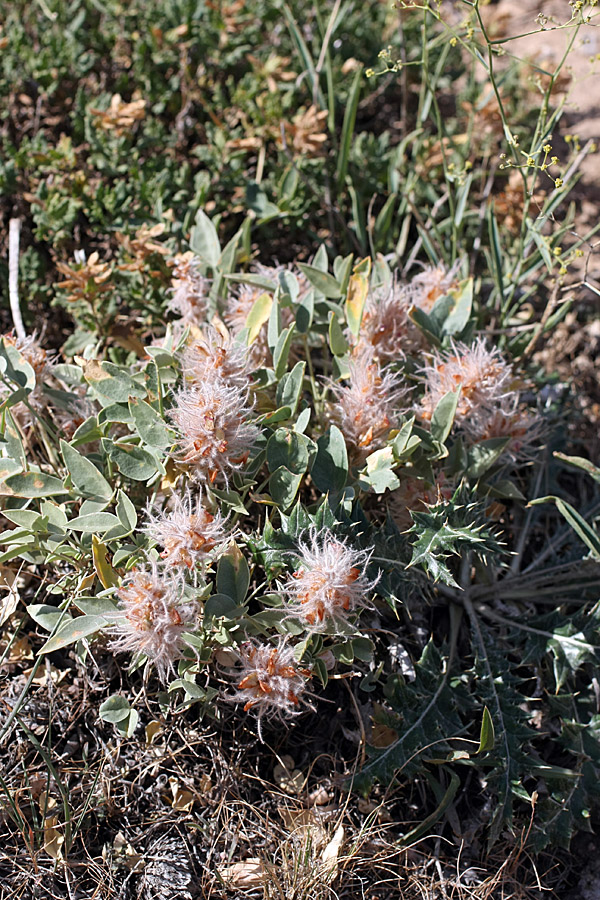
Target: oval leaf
pixel 358 288
pixel 325 283
pixel 204 240
pixel 94 522
pixel 34 484
pixel 84 474
pixel 47 616
pixel 330 467
pixel 149 424
pixel 442 419
pixel 74 630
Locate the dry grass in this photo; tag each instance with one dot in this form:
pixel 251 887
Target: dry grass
pixel 186 810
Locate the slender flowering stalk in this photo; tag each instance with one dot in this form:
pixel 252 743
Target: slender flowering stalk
pixel 368 404
pixel 215 435
pixel 189 290
pixel 271 683
pixel 217 355
pixel 190 535
pixel 485 379
pixel 153 617
pixel 330 583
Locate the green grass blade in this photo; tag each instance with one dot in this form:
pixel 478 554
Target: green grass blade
pixel 348 129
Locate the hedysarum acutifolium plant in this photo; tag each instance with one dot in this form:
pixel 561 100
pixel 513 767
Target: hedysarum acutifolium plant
pixel 312 471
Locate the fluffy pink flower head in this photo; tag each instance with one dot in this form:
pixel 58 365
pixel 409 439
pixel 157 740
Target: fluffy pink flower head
pixel 329 584
pixel 153 617
pixel 215 434
pixel 189 289
pixel 522 427
pixel 190 534
pixel 385 328
pixel 484 377
pixel 238 308
pixel 217 355
pixel 368 404
pixel 431 284
pixel 271 682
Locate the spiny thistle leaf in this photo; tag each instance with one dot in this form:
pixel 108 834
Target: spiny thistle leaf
pixel 448 529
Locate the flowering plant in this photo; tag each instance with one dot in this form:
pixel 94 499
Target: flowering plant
pixel 303 503
pixel 258 469
pixel 301 457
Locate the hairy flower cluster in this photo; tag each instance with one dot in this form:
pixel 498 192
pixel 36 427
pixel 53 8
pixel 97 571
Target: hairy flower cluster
pixel 519 425
pixel 484 377
pixel 368 404
pixel 329 584
pixel 153 617
pixel 189 534
pixel 431 284
pixel 189 290
pixel 238 308
pixel 241 300
pixel 217 355
pixel 216 435
pixel 385 327
pixel 489 405
pixel 271 682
